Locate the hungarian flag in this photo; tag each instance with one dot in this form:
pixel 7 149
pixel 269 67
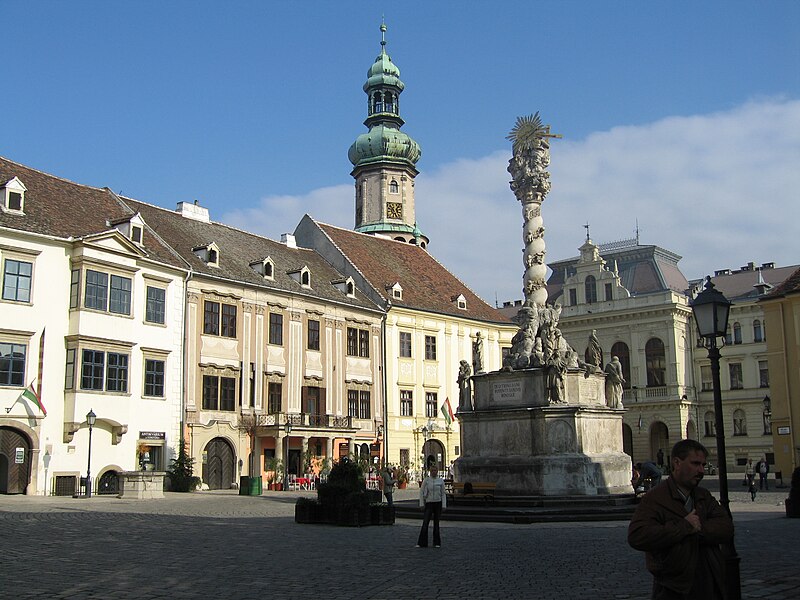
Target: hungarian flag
pixel 29 393
pixel 447 412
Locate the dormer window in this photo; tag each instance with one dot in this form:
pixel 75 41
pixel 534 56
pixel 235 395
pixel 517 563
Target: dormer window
pixel 12 196
pixel 461 301
pixel 264 267
pixel 396 291
pixel 305 278
pixel 208 254
pixel 136 234
pixel 346 286
pixel 302 276
pixel 351 289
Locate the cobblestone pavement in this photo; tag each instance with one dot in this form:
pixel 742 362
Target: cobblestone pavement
pixel 221 545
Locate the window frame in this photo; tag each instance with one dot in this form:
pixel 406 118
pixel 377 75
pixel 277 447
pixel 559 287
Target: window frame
pixel 431 404
pixel 7 378
pixel 735 375
pixel 155 307
pixel 430 347
pixel 313 335
pixel 17 277
pixel 405 344
pixel 275 329
pixel 406 403
pixel 154 380
pixel 364 404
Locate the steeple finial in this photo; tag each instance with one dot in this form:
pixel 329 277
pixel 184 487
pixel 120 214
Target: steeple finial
pixel 383 35
pixel 586 227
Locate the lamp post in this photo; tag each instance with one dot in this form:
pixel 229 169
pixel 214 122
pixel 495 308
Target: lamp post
pixel 287 427
pixel 91 418
pixel 711 309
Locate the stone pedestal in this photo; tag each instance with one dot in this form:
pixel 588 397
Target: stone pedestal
pixel 141 485
pixel 515 438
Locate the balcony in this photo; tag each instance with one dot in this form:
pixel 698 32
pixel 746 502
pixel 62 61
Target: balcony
pixel 662 393
pixel 306 421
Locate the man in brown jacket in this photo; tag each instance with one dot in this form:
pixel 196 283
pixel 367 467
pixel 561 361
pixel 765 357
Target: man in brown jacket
pixel 680 527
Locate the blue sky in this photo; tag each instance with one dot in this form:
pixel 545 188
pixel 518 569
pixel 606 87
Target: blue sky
pixel 684 116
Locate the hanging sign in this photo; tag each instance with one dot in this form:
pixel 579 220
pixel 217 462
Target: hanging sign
pixel 19 456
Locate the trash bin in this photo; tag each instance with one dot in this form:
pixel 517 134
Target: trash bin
pixel 249 486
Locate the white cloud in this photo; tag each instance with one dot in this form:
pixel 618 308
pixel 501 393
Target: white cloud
pixel 719 189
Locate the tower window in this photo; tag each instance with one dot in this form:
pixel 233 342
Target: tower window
pixel 394 188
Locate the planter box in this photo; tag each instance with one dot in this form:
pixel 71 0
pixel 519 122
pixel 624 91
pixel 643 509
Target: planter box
pixel 249 486
pixel 307 512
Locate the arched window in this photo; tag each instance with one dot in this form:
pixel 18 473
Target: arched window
pixel 621 351
pixel 737 333
pixel 655 361
pixel 739 422
pixel 393 187
pixel 591 290
pixel 757 334
pixel 377 105
pixel 708 421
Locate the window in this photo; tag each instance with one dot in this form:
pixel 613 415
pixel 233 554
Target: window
pixel 96 290
pixel 312 398
pixel 737 333
pixel 69 371
pixel 219 393
pixel 364 406
pixel 136 234
pixel 12 364
pixel 609 292
pixel 229 320
pixel 12 195
pixel 706 382
pixel 405 344
pixel 430 347
pixel 728 336
pixel 708 421
pixel 305 279
pixel 117 372
pixel 352 403
pixel 357 342
pixel 274 393
pixel 405 454
pixel 92 370
pixel 739 422
pixel 430 405
pixel 590 286
pixel 655 362
pixel 154 378
pixel 621 351
pixel 276 329
pixel 757 333
pixel 211 318
pixel 215 323
pixel 17 280
pixel 120 299
pixel 573 297
pixel 313 334
pixel 393 187
pixel 156 305
pixel 735 372
pixel 74 288
pixel 406 403
pixel 763 373
pixel 98 297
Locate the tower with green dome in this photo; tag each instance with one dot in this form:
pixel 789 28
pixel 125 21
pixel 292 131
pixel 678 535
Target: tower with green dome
pixel 384 159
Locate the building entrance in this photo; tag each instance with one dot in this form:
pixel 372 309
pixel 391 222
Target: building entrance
pixel 218 464
pixel 15 461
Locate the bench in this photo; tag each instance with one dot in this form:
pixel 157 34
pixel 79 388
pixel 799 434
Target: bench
pixel 469 490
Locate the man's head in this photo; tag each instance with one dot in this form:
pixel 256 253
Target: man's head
pixel 688 463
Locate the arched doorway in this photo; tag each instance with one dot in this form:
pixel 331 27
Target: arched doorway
pixel 15 461
pixel 108 483
pixel 659 440
pixel 433 453
pixel 691 430
pixel 627 440
pixel 218 466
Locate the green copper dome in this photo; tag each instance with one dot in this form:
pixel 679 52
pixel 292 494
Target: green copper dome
pixel 384 142
pixel 383 72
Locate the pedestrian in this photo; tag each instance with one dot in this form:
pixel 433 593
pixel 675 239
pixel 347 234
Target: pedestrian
pixel 660 457
pixel 387 477
pixel 763 469
pixel 680 526
pixel 433 499
pixel 752 488
pixel 650 475
pixel 750 472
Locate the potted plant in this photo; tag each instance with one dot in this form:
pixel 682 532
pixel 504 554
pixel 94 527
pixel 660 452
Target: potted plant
pixel 181 472
pixel 402 477
pixel 274 468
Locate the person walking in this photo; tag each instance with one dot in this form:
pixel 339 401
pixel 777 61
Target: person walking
pixel 763 470
pixel 433 499
pixel 752 488
pixel 387 476
pixel 680 526
pixel 750 472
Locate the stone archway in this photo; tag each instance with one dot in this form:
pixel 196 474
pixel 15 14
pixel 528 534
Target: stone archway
pixel 627 440
pixel 219 464
pixel 15 461
pixel 659 440
pixel 433 453
pixel 691 430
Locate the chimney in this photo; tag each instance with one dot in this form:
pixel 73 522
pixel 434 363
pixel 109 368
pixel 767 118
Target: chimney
pixel 289 240
pixel 192 210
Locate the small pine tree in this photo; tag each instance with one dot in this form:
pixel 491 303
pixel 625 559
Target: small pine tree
pixel 181 470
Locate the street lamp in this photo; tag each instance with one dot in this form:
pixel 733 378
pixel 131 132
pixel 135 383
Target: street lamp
pixel 287 427
pixel 91 418
pixel 711 310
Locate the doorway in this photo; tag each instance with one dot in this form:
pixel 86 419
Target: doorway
pixel 15 461
pixel 218 464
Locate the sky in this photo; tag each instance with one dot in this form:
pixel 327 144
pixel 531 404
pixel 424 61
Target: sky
pixel 680 118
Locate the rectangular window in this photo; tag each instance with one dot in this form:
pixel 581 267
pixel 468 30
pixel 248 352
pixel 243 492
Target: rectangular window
pixel 706 384
pixel 227 393
pixel 17 280
pixel 211 318
pixel 120 298
pixel 763 373
pixel 431 400
pixel 313 334
pixel 430 347
pixel 156 305
pixel 352 403
pixel 274 393
pixel 573 297
pixel 229 320
pixel 276 329
pixel 609 294
pixel 12 364
pixel 92 370
pixel 735 371
pixel 406 403
pixel 117 372
pixel 210 392
pixel 405 453
pixel 74 288
pixel 363 343
pixel 405 344
pixel 96 294
pixel 364 411
pixel 352 341
pixel 69 370
pixel 154 378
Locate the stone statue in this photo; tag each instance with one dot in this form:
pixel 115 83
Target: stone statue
pixel 614 382
pixel 556 367
pixel 477 353
pixel 595 352
pixel 464 387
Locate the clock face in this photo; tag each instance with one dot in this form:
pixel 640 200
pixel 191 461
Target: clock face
pixel 394 210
